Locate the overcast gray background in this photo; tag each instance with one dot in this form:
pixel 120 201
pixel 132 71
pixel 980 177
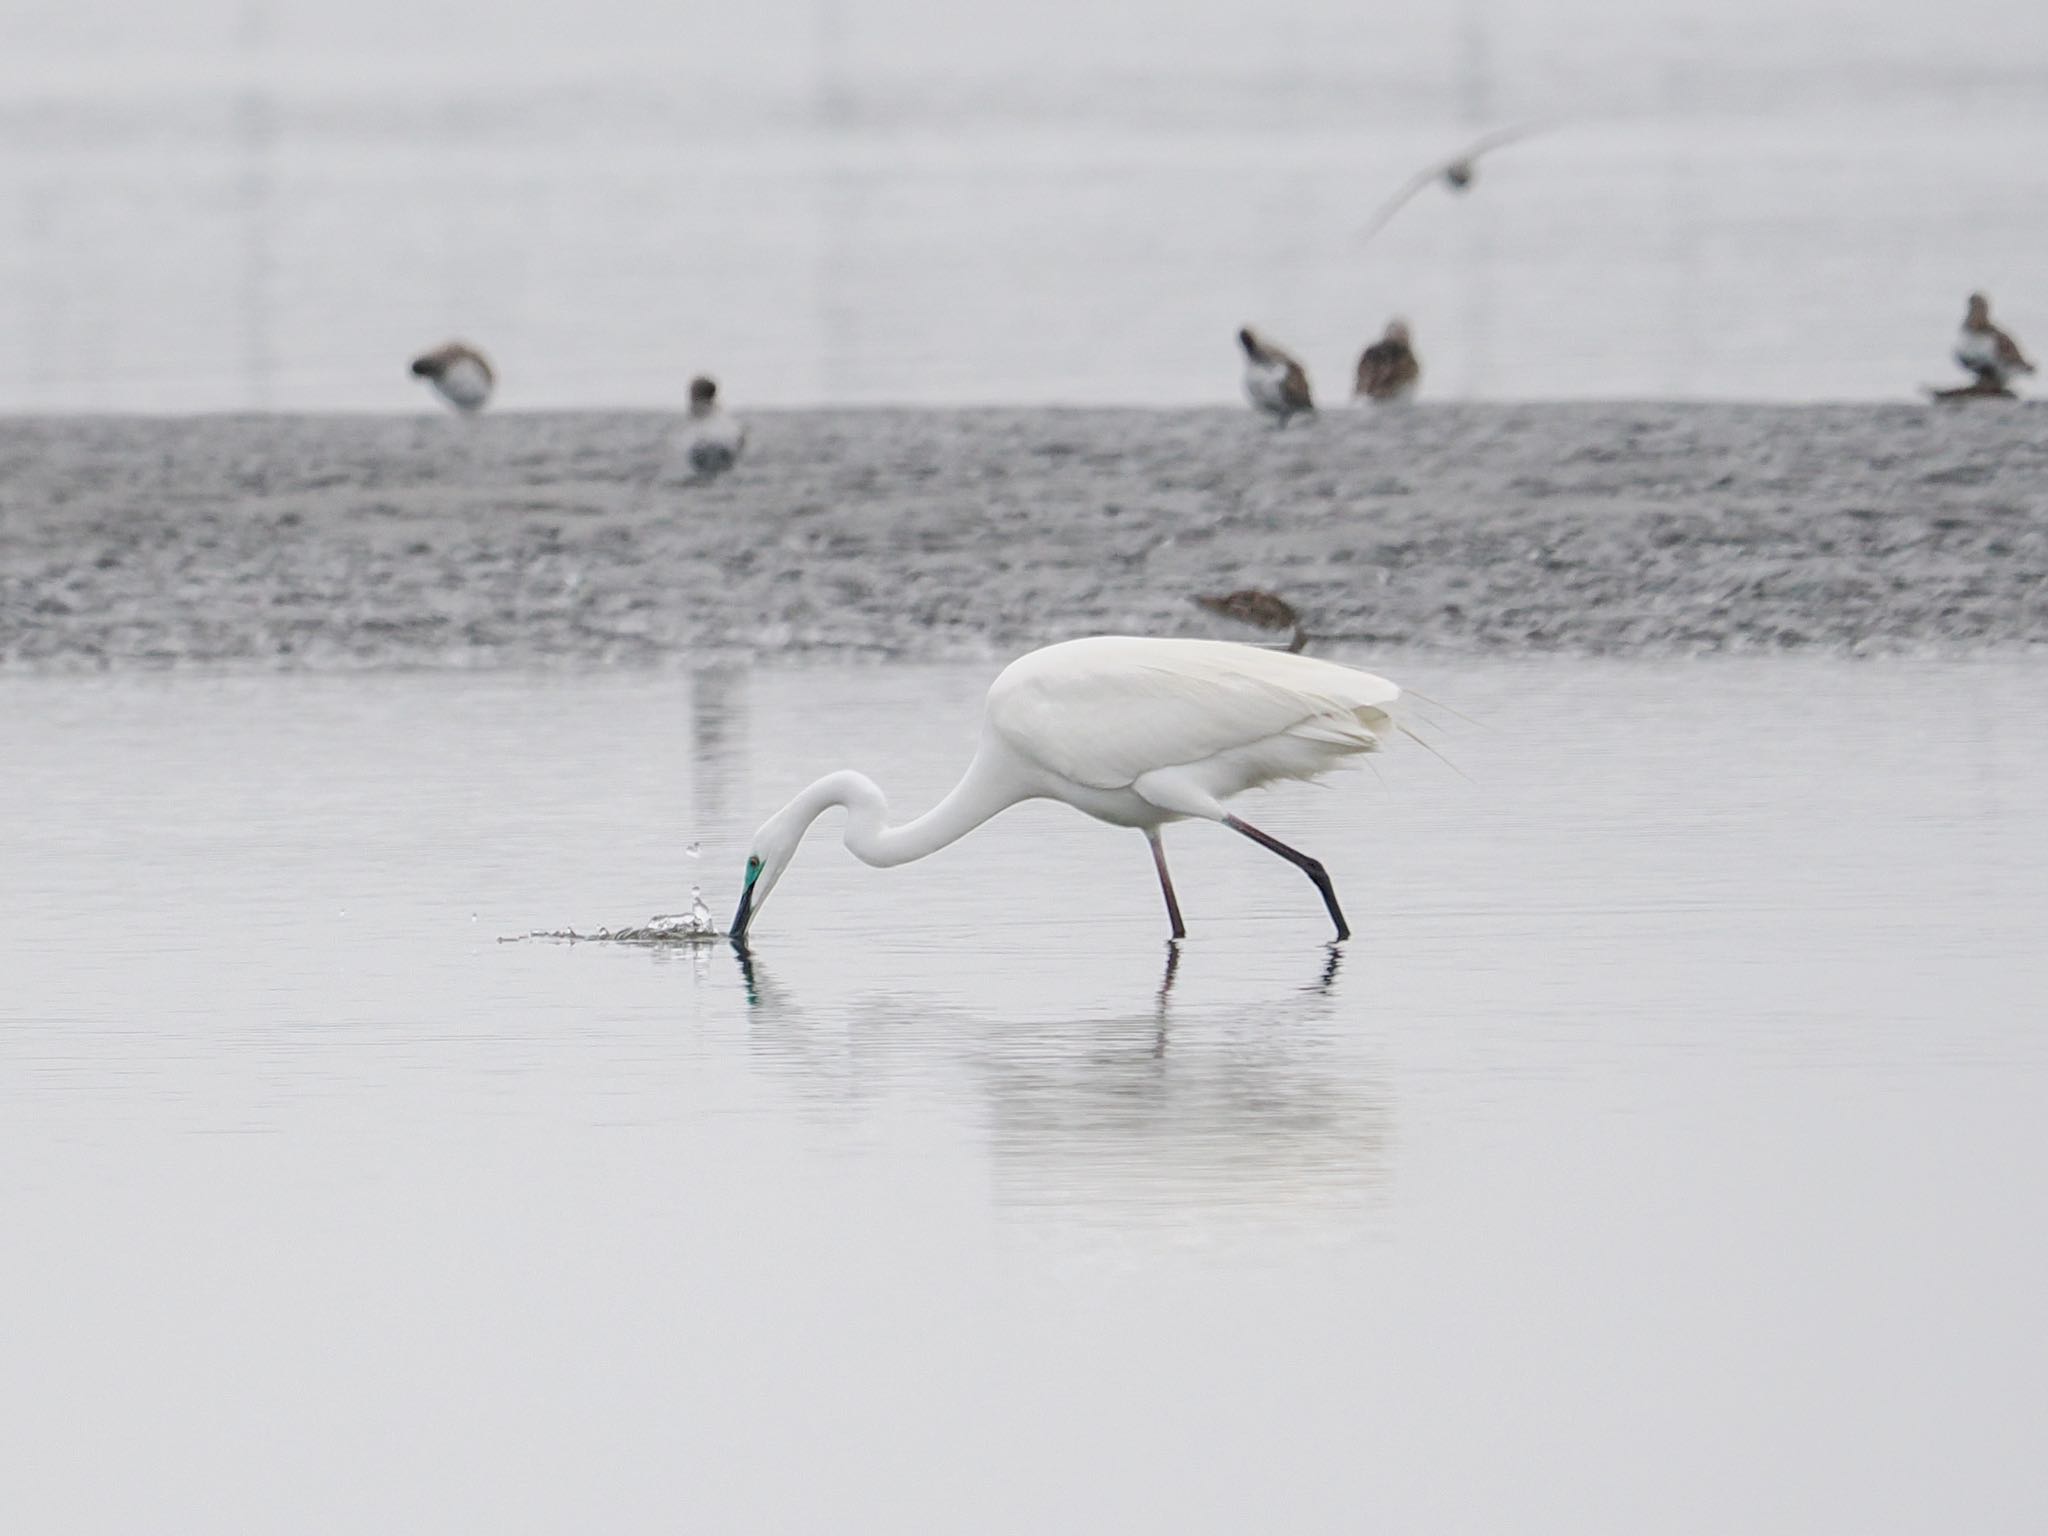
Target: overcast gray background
pixel 272 205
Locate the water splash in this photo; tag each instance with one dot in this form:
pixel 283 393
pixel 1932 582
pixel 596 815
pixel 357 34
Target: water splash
pixel 692 927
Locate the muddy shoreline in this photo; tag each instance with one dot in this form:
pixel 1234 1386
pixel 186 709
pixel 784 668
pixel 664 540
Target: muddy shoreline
pixel 329 543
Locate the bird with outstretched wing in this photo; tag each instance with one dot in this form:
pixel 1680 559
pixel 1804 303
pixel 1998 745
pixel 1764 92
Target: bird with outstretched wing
pixel 1456 173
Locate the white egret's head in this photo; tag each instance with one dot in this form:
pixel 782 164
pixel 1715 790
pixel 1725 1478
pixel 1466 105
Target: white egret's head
pixel 774 846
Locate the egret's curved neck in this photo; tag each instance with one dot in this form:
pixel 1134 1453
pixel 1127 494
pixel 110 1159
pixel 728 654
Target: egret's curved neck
pixel 979 795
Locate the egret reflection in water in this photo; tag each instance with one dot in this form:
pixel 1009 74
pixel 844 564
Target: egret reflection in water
pixel 1193 1110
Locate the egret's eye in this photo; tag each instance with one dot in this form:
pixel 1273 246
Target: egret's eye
pixel 753 862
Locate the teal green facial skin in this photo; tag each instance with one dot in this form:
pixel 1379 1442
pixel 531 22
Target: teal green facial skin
pixel 745 914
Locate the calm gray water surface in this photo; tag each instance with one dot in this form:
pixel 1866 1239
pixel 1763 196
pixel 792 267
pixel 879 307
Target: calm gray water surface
pixel 273 204
pixel 1665 1154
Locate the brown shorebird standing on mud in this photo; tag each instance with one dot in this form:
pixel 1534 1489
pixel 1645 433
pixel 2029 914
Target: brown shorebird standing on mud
pixel 1261 610
pixel 1276 383
pixel 458 374
pixel 1389 369
pixel 1992 358
pixel 1456 174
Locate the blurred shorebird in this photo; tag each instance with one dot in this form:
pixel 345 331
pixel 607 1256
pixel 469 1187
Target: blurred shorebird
pixel 1993 358
pixel 1276 383
pixel 1261 610
pixel 458 374
pixel 715 438
pixel 1389 369
pixel 1457 173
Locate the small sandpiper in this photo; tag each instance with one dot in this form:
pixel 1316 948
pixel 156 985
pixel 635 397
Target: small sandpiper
pixel 715 438
pixel 1389 369
pixel 1260 609
pixel 1275 382
pixel 1987 352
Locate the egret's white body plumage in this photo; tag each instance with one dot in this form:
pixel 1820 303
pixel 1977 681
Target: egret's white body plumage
pixel 1177 726
pixel 1134 732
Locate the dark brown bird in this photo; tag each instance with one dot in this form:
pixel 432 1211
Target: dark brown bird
pixel 1261 610
pixel 1389 368
pixel 1276 383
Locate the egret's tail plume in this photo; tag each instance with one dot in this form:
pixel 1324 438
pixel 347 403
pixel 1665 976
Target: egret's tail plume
pixel 1405 718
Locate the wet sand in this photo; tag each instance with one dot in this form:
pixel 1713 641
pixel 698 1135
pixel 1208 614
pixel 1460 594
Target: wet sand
pixel 345 542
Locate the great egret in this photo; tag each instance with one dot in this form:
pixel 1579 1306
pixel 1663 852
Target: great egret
pixel 1133 732
pixel 1276 383
pixel 1456 173
pixel 715 438
pixel 459 375
pixel 1261 610
pixel 1389 369
pixel 1986 351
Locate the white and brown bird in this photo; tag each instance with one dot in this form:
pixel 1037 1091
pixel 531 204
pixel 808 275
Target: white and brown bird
pixel 1986 352
pixel 459 375
pixel 715 438
pixel 1276 383
pixel 1456 174
pixel 1389 369
pixel 1261 610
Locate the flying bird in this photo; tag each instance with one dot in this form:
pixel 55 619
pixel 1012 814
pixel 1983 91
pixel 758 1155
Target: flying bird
pixel 1276 383
pixel 1133 732
pixel 1457 173
pixel 1986 352
pixel 459 375
pixel 1389 369
pixel 1261 610
pixel 715 438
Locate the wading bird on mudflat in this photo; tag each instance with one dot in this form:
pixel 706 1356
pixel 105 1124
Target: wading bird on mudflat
pixel 1991 357
pixel 1389 370
pixel 1133 732
pixel 1258 608
pixel 715 438
pixel 1273 380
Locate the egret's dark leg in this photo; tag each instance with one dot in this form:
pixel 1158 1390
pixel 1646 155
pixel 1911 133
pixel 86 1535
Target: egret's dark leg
pixel 1311 867
pixel 1165 882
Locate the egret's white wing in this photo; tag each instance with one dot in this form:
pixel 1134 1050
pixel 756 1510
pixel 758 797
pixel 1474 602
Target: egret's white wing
pixel 1101 712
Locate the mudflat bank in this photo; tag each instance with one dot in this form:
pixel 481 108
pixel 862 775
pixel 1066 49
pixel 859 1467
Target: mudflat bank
pixel 543 540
